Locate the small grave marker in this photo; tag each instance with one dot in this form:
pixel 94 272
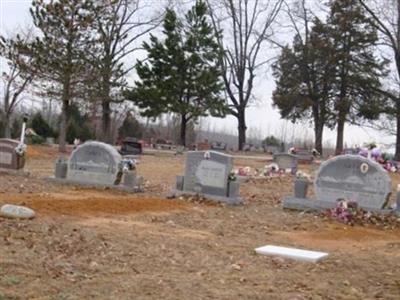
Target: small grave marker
pixel 293 253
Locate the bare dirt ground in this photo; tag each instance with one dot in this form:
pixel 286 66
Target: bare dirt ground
pixel 104 244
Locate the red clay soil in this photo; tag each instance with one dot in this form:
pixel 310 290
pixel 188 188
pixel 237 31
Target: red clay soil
pixel 92 205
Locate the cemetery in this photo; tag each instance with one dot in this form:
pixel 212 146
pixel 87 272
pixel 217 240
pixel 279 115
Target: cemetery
pixel 149 244
pixel 199 149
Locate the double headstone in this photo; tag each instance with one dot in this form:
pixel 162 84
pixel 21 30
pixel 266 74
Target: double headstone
pixel 350 177
pixel 208 173
pixel 9 159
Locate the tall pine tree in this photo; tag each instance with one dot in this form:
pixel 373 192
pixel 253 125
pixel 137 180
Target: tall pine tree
pixel 332 75
pixel 304 73
pixel 358 70
pixel 181 74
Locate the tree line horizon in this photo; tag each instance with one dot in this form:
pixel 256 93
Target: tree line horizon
pixel 205 61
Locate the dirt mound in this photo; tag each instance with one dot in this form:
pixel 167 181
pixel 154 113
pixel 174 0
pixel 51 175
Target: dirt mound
pixel 95 206
pixel 336 237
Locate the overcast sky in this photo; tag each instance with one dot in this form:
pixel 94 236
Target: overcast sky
pixel 262 118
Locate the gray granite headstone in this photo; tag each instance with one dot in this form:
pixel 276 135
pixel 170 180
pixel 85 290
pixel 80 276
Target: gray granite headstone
pixel 285 161
pixel 207 172
pixel 95 162
pixel 353 177
pixel 304 155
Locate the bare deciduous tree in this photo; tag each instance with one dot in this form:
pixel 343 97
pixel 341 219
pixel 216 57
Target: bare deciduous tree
pixel 120 26
pixel 15 79
pixel 243 28
pixel 386 15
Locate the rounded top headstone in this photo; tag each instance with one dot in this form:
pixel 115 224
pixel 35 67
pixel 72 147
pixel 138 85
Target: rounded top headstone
pixel 94 162
pixel 354 178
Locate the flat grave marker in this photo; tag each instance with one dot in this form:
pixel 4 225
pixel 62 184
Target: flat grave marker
pixel 293 253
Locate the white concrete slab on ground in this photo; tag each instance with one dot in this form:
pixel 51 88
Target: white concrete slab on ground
pixel 297 254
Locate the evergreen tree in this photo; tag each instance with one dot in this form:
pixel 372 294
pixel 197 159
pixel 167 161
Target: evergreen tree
pixel 332 75
pixel 130 128
pixel 181 74
pixel 304 75
pixel 41 127
pixel 271 141
pixel 358 70
pixel 78 125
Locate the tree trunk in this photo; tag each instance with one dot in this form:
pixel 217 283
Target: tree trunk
pixel 106 106
pixel 242 129
pixel 7 126
pixel 397 154
pixel 340 133
pixel 318 126
pixel 106 122
pixel 183 130
pixel 62 137
pixel 318 130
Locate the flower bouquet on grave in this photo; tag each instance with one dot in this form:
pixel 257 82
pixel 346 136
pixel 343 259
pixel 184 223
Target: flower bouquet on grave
pixel 345 211
pixel 232 176
pixel 270 169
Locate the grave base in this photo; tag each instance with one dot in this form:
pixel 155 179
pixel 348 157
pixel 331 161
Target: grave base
pixel 228 200
pixel 19 172
pixel 136 189
pixel 305 204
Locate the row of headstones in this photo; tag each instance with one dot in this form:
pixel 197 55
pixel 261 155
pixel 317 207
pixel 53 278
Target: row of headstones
pixel 349 177
pixel 209 173
pixel 206 172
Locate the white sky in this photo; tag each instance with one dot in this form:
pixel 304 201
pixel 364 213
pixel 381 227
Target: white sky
pixel 262 118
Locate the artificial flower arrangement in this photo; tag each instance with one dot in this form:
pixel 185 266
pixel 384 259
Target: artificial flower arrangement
pixel 344 211
pixel 303 176
pixel 232 176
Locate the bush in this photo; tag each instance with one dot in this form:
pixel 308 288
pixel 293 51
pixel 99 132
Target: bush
pixel 35 140
pixel 16 128
pixel 271 141
pixel 78 131
pixel 41 127
pixel 130 128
